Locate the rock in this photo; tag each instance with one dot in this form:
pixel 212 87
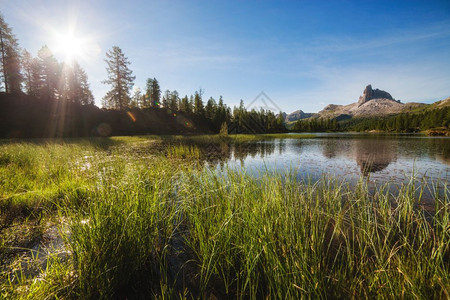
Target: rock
pixel 370 94
pixel 373 102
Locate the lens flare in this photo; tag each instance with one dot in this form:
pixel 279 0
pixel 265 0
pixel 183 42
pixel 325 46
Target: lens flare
pixel 131 115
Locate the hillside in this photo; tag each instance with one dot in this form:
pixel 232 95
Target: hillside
pixel 297 115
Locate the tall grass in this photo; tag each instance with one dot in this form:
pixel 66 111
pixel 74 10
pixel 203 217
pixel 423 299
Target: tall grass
pixel 232 138
pixel 183 152
pixel 130 222
pixel 122 237
pixel 279 239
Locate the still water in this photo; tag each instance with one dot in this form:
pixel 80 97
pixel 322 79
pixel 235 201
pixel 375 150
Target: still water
pixel 378 158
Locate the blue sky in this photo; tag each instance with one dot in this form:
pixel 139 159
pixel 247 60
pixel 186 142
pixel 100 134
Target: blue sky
pixel 302 54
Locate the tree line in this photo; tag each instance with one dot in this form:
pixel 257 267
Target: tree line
pixel 216 115
pixel 316 125
pixel 43 77
pixel 404 122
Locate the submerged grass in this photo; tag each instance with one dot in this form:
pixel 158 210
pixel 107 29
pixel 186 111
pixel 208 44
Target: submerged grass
pixel 130 222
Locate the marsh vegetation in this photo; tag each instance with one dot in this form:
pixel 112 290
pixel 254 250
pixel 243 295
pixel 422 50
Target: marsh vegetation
pixel 140 217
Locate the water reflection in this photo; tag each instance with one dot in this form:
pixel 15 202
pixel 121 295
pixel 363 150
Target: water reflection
pixel 387 157
pixel 395 160
pixel 330 149
pixel 221 153
pixel 374 155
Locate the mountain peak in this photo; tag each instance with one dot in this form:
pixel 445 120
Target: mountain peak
pixel 370 94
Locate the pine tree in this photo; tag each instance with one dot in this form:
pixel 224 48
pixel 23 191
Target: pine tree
pixel 50 73
pixel 146 100
pixel 199 110
pixel 280 123
pixel 120 78
pixel 77 86
pixel 165 99
pixel 184 105
pixel 210 108
pixel 173 101
pixel 221 114
pixel 87 98
pixel 152 93
pixel 10 66
pixel 29 72
pixel 155 96
pixel 137 98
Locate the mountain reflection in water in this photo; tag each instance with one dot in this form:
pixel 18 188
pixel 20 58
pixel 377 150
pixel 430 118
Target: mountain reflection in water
pixel 383 158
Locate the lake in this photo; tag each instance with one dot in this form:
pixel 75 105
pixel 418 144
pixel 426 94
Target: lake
pixel 347 156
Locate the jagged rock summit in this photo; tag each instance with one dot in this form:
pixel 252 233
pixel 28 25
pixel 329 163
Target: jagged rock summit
pixel 370 94
pixel 373 102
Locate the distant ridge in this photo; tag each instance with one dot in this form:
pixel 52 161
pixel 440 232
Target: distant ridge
pixel 297 115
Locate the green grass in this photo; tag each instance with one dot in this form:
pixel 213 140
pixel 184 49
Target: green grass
pixel 183 152
pixel 232 138
pixel 137 224
pixel 279 239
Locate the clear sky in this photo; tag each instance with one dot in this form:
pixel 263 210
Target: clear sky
pixel 302 54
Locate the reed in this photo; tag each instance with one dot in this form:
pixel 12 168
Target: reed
pixel 140 226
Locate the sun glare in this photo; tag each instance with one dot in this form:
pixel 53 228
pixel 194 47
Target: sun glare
pixel 70 46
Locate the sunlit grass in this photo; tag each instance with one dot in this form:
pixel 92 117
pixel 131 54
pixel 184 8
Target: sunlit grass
pixel 276 238
pixel 183 152
pixel 235 138
pixel 130 218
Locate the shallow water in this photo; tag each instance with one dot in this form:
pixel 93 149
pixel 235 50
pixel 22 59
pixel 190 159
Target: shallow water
pixel 377 158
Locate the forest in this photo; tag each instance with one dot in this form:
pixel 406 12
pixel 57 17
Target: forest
pixel 42 97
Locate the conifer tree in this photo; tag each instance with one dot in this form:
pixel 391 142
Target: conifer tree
pixel 152 93
pixel 136 100
pixel 10 68
pixel 50 74
pixel 210 108
pixel 120 78
pixel 155 96
pixel 184 105
pixel 78 89
pixel 165 99
pixel 31 74
pixel 173 101
pixel 199 109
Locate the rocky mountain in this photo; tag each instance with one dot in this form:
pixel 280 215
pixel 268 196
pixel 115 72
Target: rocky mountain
pixel 373 102
pixel 370 94
pixel 297 115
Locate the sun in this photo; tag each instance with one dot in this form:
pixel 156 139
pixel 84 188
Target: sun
pixel 69 45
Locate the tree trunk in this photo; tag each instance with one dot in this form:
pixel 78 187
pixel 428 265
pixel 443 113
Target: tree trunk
pixel 5 77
